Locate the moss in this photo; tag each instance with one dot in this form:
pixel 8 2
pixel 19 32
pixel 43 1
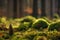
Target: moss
pixel 26 23
pixel 40 24
pixel 47 19
pixel 40 38
pixel 23 26
pixel 2 38
pixel 54 26
pixel 56 16
pixel 28 19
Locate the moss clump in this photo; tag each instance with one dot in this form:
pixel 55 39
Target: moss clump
pixel 54 26
pixel 2 38
pixel 28 19
pixel 24 26
pixel 47 19
pixel 56 16
pixel 26 23
pixel 40 38
pixel 40 24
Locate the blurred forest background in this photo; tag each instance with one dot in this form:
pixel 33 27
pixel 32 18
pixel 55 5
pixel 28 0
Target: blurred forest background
pixel 36 8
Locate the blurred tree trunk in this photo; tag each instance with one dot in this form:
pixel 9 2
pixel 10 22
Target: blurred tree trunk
pixel 59 7
pixel 15 8
pixel 43 14
pixel 51 10
pixel 35 8
pixel 0 3
pixel 21 8
pixel 1 7
pixel 18 8
pixel 10 8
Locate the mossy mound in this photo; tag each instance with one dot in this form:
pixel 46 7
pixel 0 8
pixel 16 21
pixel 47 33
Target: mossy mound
pixel 28 19
pixel 26 23
pixel 54 26
pixel 40 38
pixel 40 24
pixel 47 19
pixel 24 26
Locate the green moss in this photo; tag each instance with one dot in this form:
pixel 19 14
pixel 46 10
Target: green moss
pixel 40 38
pixel 40 24
pixel 47 19
pixel 56 16
pixel 26 23
pixel 54 26
pixel 2 38
pixel 24 26
pixel 28 19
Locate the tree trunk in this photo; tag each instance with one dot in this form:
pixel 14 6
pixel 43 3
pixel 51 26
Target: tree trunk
pixel 21 8
pixel 15 8
pixel 51 10
pixel 43 14
pixel 35 8
pixel 59 7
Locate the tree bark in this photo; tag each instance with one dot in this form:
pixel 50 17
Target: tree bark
pixel 15 8
pixel 35 8
pixel 59 7
pixel 43 14
pixel 21 8
pixel 51 10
